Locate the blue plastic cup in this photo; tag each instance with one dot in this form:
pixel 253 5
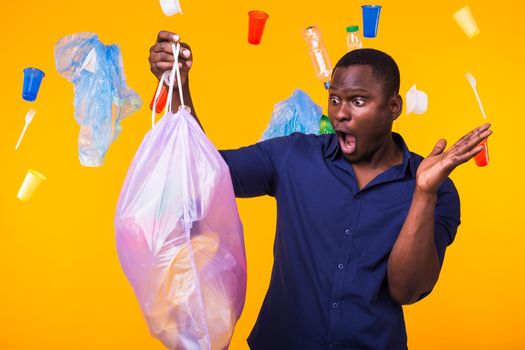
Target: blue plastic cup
pixel 370 20
pixel 32 80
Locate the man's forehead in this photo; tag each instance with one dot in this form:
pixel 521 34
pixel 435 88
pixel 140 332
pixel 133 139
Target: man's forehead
pixel 355 77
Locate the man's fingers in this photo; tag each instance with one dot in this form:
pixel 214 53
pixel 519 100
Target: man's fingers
pixel 163 66
pixel 439 147
pixel 165 35
pixel 473 141
pixel 161 57
pixel 464 157
pixel 466 137
pixel 467 149
pixel 482 135
pixel 477 131
pixel 165 47
pixel 484 127
pixel 161 54
pixel 473 133
pixel 185 53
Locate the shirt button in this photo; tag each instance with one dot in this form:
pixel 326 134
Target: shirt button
pixel 357 196
pixel 331 346
pixel 347 232
pixel 340 266
pixel 335 305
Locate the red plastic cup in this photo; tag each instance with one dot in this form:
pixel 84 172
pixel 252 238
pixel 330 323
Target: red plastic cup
pixel 161 102
pixel 256 27
pixel 482 158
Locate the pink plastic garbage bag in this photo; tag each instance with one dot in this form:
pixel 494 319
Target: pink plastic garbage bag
pixel 178 234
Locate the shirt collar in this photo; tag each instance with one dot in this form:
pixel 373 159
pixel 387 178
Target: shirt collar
pixel 332 150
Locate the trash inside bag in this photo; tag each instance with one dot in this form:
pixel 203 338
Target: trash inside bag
pixel 179 237
pixel 102 98
pixel 295 114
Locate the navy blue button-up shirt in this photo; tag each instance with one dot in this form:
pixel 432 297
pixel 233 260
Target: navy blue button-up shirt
pixel 329 288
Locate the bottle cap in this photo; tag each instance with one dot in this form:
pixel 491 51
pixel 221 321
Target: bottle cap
pixel 350 29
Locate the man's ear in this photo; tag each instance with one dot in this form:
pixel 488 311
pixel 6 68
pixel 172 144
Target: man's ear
pixel 396 106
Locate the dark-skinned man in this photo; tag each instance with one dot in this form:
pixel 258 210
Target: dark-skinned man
pixel 362 222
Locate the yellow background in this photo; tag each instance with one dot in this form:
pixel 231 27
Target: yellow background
pixel 61 285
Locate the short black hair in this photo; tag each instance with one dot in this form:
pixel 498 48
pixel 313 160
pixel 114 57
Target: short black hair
pixel 383 66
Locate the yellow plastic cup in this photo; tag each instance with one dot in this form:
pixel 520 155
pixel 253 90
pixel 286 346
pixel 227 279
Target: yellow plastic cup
pixel 32 181
pixel 466 21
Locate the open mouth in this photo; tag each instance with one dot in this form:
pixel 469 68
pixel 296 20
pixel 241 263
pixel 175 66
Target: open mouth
pixel 347 142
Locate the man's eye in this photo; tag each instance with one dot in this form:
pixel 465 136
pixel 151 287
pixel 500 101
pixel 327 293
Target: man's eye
pixel 334 100
pixel 358 101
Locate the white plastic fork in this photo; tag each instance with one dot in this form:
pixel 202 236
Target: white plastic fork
pixel 29 118
pixel 472 82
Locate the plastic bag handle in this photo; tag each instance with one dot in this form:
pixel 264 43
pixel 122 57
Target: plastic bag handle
pixel 174 70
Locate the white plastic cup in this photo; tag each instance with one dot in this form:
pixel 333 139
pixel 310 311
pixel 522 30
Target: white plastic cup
pixel 466 21
pixel 170 7
pixel 417 101
pixel 32 181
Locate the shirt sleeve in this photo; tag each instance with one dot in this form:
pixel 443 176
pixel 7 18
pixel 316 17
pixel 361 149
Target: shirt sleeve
pixel 254 168
pixel 446 220
pixel 446 217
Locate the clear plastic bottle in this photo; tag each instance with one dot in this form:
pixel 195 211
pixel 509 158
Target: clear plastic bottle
pixel 353 39
pixel 319 55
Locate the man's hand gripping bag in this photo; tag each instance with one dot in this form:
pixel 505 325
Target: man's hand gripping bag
pixel 178 234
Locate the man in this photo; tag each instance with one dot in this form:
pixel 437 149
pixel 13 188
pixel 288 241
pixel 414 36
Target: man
pixel 362 222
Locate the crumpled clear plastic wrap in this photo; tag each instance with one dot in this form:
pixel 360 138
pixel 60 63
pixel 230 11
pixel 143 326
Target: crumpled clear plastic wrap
pixel 179 237
pixel 295 114
pixel 102 98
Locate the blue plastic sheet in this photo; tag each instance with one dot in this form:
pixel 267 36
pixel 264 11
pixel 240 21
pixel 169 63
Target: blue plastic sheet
pixel 102 98
pixel 295 114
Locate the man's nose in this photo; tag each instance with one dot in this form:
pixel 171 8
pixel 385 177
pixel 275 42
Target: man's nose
pixel 343 113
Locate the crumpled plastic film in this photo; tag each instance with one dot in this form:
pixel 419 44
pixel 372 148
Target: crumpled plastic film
pixel 102 98
pixel 295 114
